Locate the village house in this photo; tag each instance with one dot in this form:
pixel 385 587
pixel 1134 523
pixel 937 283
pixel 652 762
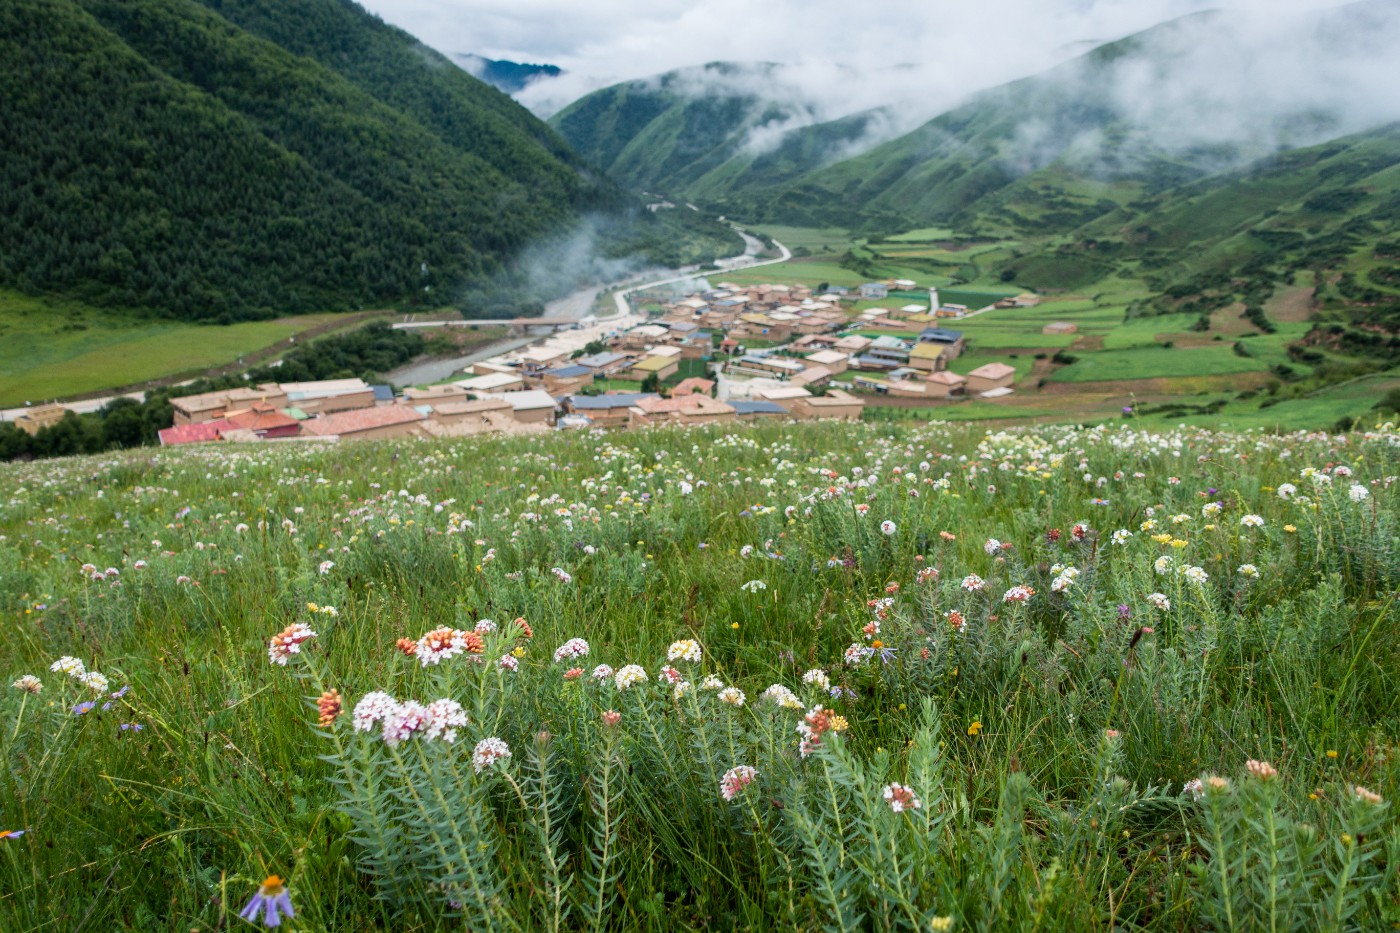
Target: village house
pixel 566 380
pixel 990 377
pixel 432 395
pixel 605 364
pixel 784 396
pixel 263 421
pixel 952 341
pixel 329 395
pixel 697 346
pixel 535 360
pixel 812 376
pixel 202 432
pixel 611 410
pixel 662 367
pixel 485 412
pixel 813 342
pixel 753 410
pixel 874 291
pixel 773 367
pixel 836 403
pixel 693 386
pixel 492 382
pixel 643 336
pixel 928 357
pixel 532 406
pixel 688 409
pixel 1060 327
pixel 366 423
pixel 945 384
pixel 833 360
pixel 33 420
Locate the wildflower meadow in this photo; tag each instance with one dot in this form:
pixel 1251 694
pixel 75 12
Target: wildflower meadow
pixel 822 676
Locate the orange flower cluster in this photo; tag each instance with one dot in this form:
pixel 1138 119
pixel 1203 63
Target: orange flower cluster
pixel 330 705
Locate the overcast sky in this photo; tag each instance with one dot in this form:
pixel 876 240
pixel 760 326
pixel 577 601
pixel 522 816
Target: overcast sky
pixel 958 47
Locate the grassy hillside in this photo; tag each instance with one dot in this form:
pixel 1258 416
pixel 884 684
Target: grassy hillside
pixel 238 158
pixel 873 677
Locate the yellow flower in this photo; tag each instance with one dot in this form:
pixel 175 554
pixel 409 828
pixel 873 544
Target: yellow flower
pixel 1331 753
pixel 733 624
pixel 518 651
pixel 1178 543
pixel 902 707
pixel 975 728
pixel 1290 528
pixel 940 924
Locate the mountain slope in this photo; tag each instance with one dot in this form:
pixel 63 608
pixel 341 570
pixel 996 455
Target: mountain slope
pixel 703 133
pixel 161 155
pixel 1205 93
pixel 509 77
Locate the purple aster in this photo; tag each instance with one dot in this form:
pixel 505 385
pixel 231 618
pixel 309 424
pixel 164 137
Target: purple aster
pixel 271 901
pixel 82 708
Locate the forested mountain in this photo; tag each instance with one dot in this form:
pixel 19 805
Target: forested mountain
pixel 704 132
pixel 230 159
pixel 507 76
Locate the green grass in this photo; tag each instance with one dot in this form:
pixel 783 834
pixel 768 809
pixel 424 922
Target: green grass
pixel 51 349
pixel 969 361
pixel 1157 363
pixel 1047 741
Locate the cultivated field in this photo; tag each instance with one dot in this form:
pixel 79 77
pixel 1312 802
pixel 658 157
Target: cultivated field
pixel 848 677
pixel 60 349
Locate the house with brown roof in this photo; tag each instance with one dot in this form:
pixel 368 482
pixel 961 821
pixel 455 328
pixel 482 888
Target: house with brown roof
pixel 836 403
pixel 812 376
pixel 264 421
pixel 533 406
pixel 989 377
pixel 198 409
pixel 203 432
pixel 485 412
pixel 693 386
pixel 33 420
pixel 688 409
pixel 833 360
pixel 945 384
pixel 366 423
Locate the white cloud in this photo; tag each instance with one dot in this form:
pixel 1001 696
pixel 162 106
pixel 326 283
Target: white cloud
pixel 955 47
pixel 920 58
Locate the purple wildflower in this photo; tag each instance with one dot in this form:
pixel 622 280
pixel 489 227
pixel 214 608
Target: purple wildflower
pixel 1125 612
pixel 82 708
pixel 271 901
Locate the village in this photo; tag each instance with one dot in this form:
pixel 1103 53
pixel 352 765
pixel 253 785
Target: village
pixel 723 353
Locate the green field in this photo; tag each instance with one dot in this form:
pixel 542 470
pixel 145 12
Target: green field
pixel 57 349
pixel 828 699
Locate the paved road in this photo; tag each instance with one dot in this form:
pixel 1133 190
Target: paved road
pixel 753 246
